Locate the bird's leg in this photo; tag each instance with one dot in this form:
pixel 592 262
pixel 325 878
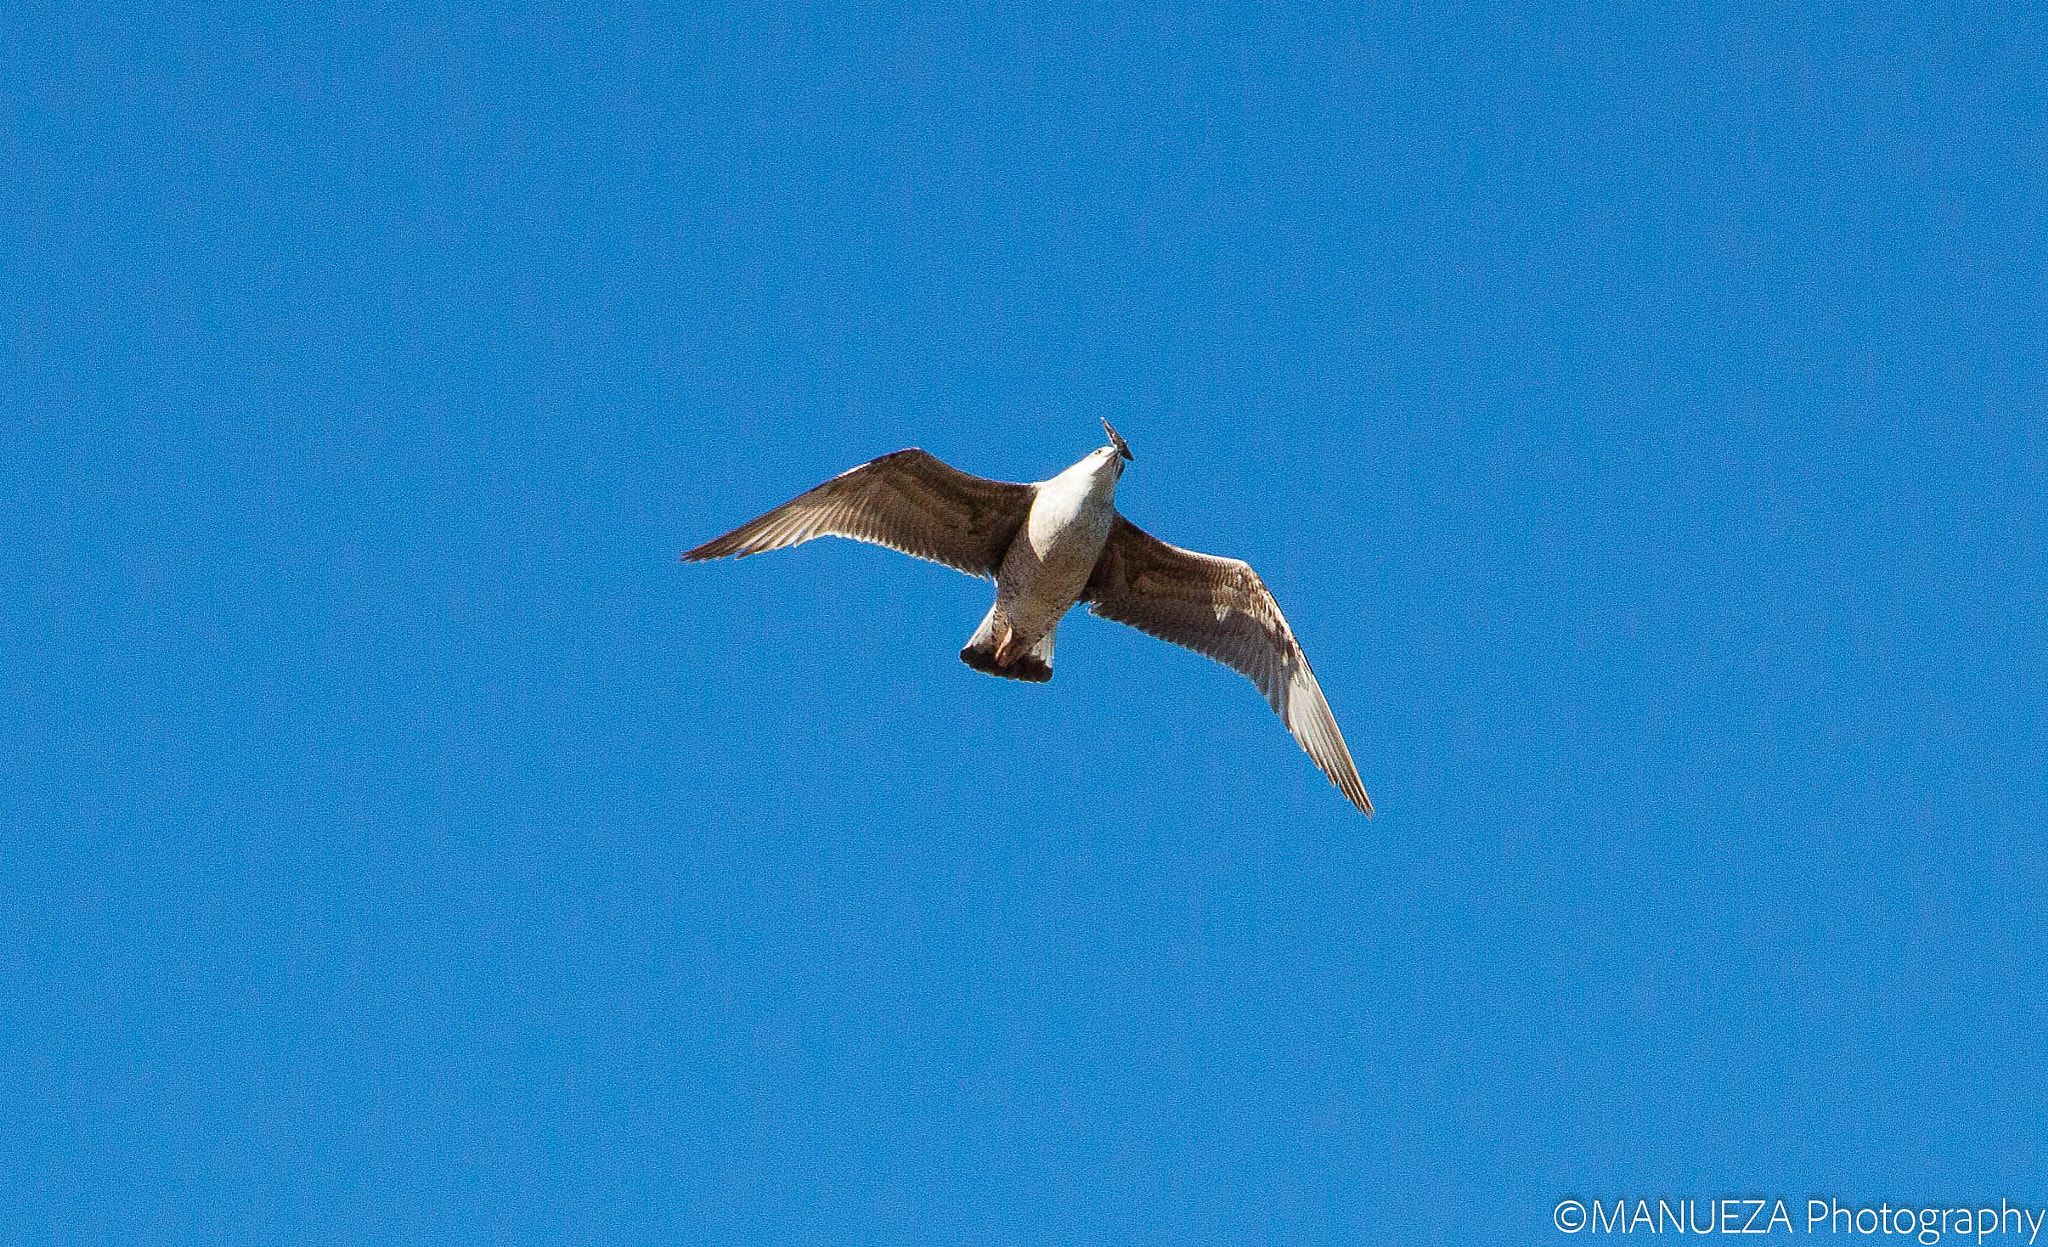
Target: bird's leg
pixel 1006 648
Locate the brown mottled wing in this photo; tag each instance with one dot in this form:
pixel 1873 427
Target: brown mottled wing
pixel 908 501
pixel 1220 608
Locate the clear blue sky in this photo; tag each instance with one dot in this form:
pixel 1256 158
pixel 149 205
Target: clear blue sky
pixel 1641 418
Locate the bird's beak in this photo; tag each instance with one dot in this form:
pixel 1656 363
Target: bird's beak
pixel 1122 447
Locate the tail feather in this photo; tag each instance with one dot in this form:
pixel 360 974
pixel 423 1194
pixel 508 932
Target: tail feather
pixel 1034 665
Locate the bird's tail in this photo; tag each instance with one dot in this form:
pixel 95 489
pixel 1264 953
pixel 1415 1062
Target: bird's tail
pixel 1034 664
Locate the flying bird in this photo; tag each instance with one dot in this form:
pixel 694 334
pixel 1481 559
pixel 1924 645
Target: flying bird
pixel 1048 546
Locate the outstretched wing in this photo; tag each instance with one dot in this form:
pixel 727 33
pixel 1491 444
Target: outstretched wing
pixel 1220 608
pixel 908 501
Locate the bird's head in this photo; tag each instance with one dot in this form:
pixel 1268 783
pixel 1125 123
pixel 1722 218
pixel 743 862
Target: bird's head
pixel 1117 446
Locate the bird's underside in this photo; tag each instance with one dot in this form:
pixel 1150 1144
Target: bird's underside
pixel 912 502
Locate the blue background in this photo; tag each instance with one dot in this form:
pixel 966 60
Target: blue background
pixel 1639 416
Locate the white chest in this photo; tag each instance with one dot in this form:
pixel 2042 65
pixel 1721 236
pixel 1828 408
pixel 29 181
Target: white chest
pixel 1072 513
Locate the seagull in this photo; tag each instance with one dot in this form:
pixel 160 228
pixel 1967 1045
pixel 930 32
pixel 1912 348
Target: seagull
pixel 1053 544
